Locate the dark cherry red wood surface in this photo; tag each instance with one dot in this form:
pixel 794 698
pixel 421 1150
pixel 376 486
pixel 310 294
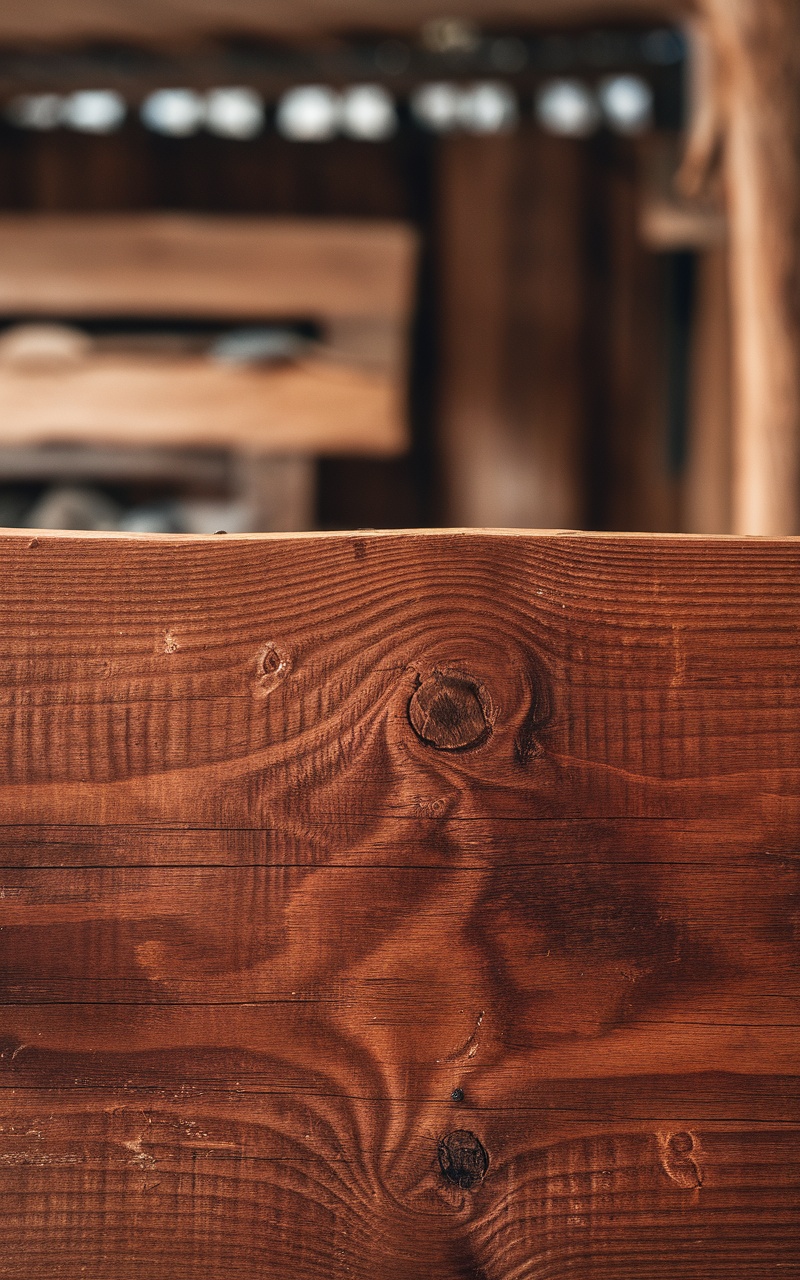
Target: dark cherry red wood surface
pixel 417 905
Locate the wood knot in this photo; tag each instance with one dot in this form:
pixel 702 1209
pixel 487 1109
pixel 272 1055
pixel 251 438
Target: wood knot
pixel 463 1159
pixel 679 1158
pixel 274 664
pixel 450 711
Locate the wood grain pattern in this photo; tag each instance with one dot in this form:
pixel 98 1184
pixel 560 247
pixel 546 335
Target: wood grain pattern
pixel 417 904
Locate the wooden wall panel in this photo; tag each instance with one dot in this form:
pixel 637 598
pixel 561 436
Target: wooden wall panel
pixel 421 903
pixel 639 489
pixel 708 488
pixel 511 251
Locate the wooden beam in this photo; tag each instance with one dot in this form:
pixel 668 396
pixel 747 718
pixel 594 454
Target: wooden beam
pixel 399 905
pixel 193 265
pixel 758 48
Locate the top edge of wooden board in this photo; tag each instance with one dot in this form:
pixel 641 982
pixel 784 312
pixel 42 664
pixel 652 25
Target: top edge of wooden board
pixel 421 532
pixel 204 265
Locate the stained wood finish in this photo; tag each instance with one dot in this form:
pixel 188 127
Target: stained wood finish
pixel 512 281
pixel 757 43
pixel 190 265
pixel 402 905
pixel 310 407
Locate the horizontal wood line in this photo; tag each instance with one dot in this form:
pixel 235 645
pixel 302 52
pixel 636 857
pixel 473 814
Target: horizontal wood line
pixel 568 820
pixel 472 868
pixel 620 1124
pixel 343 1002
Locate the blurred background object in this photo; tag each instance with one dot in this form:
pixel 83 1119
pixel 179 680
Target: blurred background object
pixel 345 265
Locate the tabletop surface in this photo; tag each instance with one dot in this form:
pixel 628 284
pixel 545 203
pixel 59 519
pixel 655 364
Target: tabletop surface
pixel 417 904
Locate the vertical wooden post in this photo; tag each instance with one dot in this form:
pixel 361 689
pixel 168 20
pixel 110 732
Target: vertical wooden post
pixel 707 482
pixel 513 317
pixel 758 46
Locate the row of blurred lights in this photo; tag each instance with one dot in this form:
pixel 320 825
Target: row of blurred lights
pixel 317 113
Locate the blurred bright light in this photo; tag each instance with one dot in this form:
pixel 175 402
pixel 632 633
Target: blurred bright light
pixel 487 108
pixel 36 110
pixel 437 106
pixel 94 110
pixel 175 112
pixel 309 113
pixel 627 103
pixel 567 108
pixel 450 35
pixel 234 113
pixel 368 112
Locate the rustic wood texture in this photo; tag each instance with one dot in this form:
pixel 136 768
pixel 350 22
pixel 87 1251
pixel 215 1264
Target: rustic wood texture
pixel 211 266
pixel 399 904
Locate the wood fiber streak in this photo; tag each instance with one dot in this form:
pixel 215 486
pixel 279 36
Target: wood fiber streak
pixel 414 905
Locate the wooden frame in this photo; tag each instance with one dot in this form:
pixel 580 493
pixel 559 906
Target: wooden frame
pixel 399 904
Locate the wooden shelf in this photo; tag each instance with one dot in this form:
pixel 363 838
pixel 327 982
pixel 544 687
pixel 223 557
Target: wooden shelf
pixel 313 407
pixel 197 265
pixel 354 278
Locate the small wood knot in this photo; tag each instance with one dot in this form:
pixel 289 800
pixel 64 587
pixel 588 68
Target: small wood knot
pixel 274 665
pixel 680 1144
pixel 679 1156
pixel 463 1159
pixel 273 660
pixel 450 711
pixel 457 1095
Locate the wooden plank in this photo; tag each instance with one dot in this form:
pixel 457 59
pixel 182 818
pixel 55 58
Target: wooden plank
pixel 313 406
pixel 210 266
pixel 415 903
pixel 511 248
pixel 707 482
pixel 639 486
